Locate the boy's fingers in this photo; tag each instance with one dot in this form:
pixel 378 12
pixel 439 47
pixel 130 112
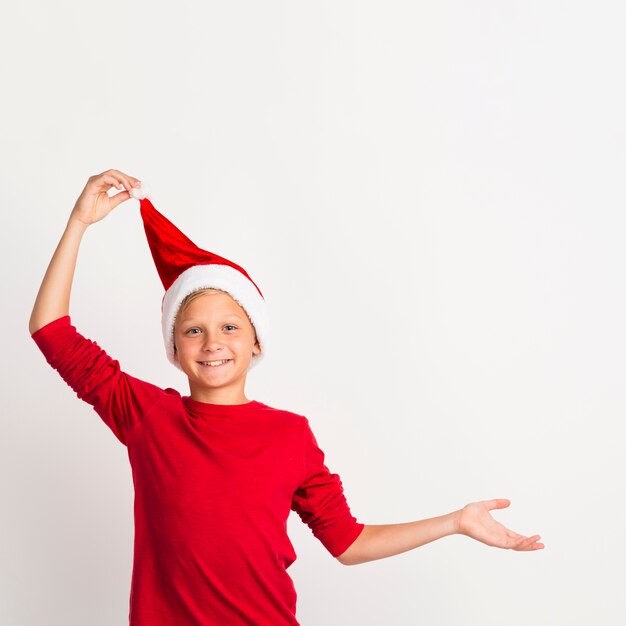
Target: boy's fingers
pixel 110 180
pixel 535 546
pixel 530 540
pixel 125 179
pixel 124 183
pixel 519 542
pixel 117 179
pixel 118 198
pixel 530 543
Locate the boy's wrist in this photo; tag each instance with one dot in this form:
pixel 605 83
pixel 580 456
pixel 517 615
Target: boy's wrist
pixel 73 223
pixel 455 518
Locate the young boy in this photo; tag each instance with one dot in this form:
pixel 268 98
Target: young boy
pixel 215 474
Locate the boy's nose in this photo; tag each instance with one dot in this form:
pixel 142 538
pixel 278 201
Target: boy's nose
pixel 212 343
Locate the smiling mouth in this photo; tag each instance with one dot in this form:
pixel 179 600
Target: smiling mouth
pixel 215 363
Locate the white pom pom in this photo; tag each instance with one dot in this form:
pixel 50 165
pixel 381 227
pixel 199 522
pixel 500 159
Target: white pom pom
pixel 139 193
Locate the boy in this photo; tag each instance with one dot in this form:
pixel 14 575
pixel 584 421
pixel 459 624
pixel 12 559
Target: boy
pixel 215 474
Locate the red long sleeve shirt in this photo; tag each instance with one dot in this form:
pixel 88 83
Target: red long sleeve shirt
pixel 214 485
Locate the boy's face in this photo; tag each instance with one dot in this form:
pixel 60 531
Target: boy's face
pixel 215 328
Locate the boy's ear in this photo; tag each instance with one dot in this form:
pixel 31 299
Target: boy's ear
pixel 256 349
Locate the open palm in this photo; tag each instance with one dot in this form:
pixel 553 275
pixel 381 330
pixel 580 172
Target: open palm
pixel 475 521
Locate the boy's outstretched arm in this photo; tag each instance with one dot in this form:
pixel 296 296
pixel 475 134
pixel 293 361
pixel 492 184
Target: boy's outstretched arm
pixel 94 203
pixel 383 540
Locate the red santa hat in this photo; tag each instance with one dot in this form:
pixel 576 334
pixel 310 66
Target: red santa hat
pixel 184 268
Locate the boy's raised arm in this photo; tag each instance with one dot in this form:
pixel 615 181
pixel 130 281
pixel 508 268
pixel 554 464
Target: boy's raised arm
pixel 94 203
pixel 53 299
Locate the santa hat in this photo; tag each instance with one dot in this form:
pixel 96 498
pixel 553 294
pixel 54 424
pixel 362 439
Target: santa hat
pixel 185 268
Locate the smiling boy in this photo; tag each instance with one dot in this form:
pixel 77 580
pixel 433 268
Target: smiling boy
pixel 215 474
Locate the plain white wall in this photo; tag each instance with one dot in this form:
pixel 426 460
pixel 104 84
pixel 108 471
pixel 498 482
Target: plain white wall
pixel 431 197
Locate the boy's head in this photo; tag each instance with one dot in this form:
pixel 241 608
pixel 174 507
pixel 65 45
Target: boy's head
pixel 186 269
pixel 203 288
pixel 214 339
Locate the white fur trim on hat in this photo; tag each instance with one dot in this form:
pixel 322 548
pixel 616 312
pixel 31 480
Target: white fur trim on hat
pixel 224 277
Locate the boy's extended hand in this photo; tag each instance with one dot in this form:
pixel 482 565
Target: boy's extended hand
pixel 475 521
pixel 94 203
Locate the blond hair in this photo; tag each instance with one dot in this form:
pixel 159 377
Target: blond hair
pixel 189 298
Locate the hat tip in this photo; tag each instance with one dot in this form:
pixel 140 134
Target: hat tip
pixel 140 193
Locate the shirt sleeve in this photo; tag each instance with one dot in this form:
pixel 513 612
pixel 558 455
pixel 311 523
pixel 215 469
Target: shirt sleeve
pixel 119 399
pixel 321 503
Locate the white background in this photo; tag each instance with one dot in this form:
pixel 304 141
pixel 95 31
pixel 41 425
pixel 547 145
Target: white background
pixel 430 196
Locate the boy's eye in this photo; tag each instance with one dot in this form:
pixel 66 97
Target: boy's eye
pixel 227 326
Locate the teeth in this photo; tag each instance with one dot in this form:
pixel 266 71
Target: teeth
pixel 213 363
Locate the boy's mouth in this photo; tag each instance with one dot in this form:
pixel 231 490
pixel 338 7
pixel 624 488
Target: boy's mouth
pixel 219 363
